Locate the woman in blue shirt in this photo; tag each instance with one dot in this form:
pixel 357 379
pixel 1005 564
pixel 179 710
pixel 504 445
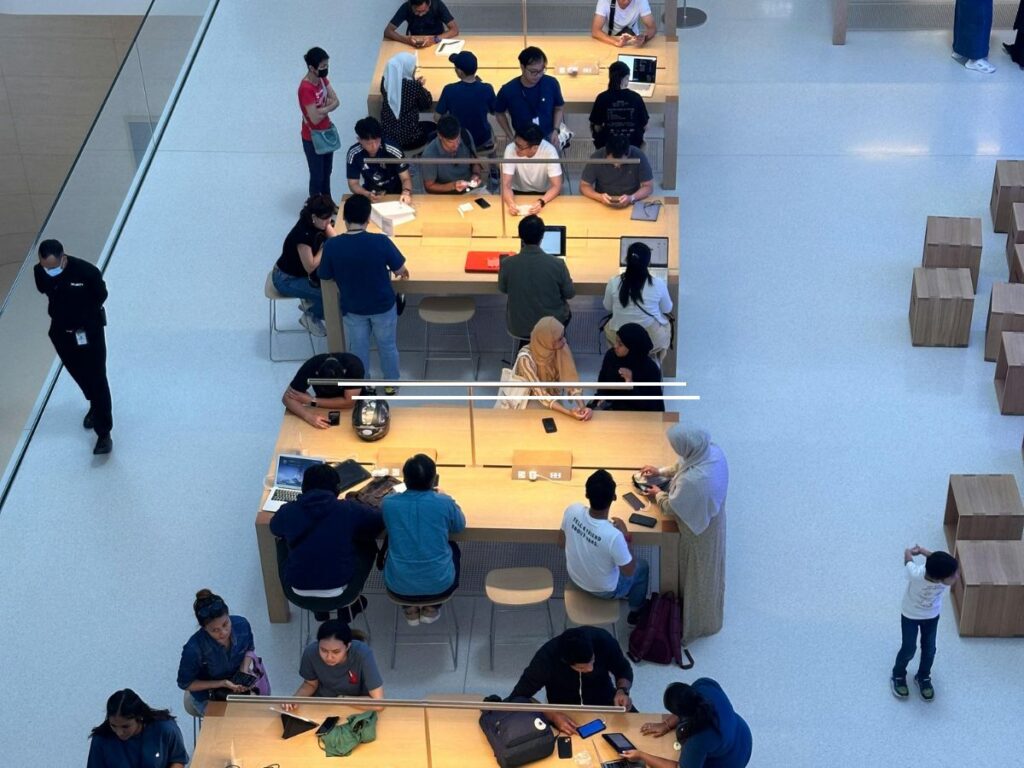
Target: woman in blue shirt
pixel 135 736
pixel 221 647
pixel 421 563
pixel 712 735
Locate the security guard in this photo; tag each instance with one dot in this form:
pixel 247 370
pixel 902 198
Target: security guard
pixel 76 292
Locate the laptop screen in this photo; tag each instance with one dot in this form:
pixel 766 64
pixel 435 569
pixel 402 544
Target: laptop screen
pixel 642 69
pixel 553 241
pixel 658 246
pixel 290 470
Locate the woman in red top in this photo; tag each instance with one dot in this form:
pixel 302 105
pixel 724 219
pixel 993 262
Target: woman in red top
pixel 317 100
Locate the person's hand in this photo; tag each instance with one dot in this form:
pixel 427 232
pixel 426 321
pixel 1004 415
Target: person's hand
pixel 553 138
pixel 633 755
pixel 647 470
pixel 402 273
pixel 474 180
pixel 582 414
pixel 317 420
pixel 620 202
pixel 420 79
pixel 417 42
pixel 513 209
pixel 406 197
pixel 619 523
pixel 536 208
pixel 640 41
pixel 656 730
pixel 565 724
pixel 626 374
pixel 621 697
pixel 232 687
pixel 289 707
pixel 608 200
pixel 375 196
pixel 620 41
pixel 652 492
pixel 461 186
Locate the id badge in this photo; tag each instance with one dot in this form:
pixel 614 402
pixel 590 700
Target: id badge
pixel 80 338
pixel 536 121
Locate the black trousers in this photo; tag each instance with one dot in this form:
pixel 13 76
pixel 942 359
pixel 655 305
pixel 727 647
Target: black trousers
pixel 87 365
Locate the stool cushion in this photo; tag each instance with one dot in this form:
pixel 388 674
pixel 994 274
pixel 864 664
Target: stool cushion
pixel 519 586
pixel 584 608
pixel 447 310
pixel 270 291
pixel 433 601
pixel 190 705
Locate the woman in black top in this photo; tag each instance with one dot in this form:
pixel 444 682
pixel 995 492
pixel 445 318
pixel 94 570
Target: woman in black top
pixel 630 361
pixel 618 111
pixel 404 99
pixel 295 272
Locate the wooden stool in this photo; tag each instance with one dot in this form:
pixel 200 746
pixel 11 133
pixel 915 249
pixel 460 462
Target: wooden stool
pixel 1016 234
pixel 989 594
pixel 1007 189
pixel 585 609
pixel 1009 379
pixel 514 588
pixel 941 305
pixel 274 296
pixel 953 242
pixel 1005 313
pixel 447 310
pixel 982 507
pixel 1017 265
pixel 450 637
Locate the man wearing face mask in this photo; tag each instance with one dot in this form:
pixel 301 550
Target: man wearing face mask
pixel 76 292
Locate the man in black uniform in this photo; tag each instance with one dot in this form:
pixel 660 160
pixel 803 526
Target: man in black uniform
pixel 76 292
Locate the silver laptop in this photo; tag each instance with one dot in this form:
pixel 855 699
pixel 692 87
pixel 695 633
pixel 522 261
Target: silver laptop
pixel 659 254
pixel 643 71
pixel 288 480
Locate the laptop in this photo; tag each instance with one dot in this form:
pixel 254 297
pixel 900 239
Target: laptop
pixel 485 261
pixel 553 241
pixel 288 480
pixel 643 70
pixel 659 254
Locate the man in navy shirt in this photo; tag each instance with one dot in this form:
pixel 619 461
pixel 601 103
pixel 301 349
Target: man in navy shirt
pixel 362 263
pixel 533 97
pixel 470 100
pixel 427 22
pixel 371 179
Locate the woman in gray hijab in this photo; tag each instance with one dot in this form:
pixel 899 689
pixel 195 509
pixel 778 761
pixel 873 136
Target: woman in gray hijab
pixel 694 492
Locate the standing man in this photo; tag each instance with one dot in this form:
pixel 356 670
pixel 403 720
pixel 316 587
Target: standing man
pixel 533 97
pixel 76 292
pixel 427 21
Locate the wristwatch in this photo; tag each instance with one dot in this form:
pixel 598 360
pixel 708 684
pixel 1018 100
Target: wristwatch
pixel 312 403
pixel 624 690
pixel 542 203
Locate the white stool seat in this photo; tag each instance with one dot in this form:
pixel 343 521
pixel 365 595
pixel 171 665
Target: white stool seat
pixel 519 586
pixel 584 608
pixel 447 310
pixel 270 291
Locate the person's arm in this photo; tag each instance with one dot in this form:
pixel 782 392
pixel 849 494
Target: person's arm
pixel 565 284
pixel 208 685
pixel 502 278
pixel 502 118
pixel 174 747
pixel 587 190
pixel 554 188
pixel 375 693
pixel 424 100
pixel 617 662
pixel 650 31
pixel 624 551
pixel 664 300
pixel 652 761
pixel 507 197
pixel 457 521
pixel 391 30
pixel 406 178
pixel 597 31
pixel 451 30
pixel 646 189
pixel 99 288
pixel 308 688
pixel 332 102
pixel 310 261
pixel 556 120
pixel 293 403
pixel 534 677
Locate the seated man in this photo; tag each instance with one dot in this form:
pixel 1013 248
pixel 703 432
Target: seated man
pixel 529 178
pixel 427 21
pixel 619 22
pixel 537 284
pixel 617 186
pixel 578 667
pixel 451 142
pixel 313 410
pixel 598 554
pixel 371 179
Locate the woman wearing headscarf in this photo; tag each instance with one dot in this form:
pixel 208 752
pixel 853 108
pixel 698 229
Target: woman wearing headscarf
pixel 972 27
pixel 696 496
pixel 548 358
pixel 629 360
pixel 404 99
pixel 637 296
pixel 1016 50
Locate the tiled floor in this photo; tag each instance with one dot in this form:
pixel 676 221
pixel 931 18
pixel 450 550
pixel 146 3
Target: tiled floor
pixel 806 176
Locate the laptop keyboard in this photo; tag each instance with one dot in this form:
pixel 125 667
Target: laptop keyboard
pixel 284 495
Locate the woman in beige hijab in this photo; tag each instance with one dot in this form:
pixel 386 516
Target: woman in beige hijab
pixel 696 496
pixel 548 358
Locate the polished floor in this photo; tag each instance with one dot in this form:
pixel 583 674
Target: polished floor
pixel 806 172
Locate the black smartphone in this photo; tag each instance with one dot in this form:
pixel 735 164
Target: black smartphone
pixel 633 501
pixel 619 742
pixel 482 203
pixel 564 747
pixel 549 425
pixel 244 679
pixel 334 418
pixel 644 520
pixel 327 724
pixel 589 729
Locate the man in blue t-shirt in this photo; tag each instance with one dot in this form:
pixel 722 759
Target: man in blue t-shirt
pixel 427 21
pixel 361 263
pixel 470 100
pixel 533 97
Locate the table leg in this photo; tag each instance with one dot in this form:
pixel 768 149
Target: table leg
pixel 670 155
pixel 669 562
pixel 277 603
pixel 839 21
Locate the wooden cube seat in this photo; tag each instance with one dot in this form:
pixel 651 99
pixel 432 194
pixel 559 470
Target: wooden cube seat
pixel 951 241
pixel 1005 313
pixel 983 507
pixel 1009 378
pixel 988 596
pixel 1007 189
pixel 1015 236
pixel 941 305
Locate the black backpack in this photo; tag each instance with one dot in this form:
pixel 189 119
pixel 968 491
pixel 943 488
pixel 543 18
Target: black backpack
pixel 517 738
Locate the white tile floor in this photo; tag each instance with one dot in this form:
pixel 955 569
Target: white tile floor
pixel 807 173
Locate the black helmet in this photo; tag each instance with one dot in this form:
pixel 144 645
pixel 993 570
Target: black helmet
pixel 371 419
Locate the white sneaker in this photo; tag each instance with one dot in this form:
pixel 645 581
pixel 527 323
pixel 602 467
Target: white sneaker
pixel 980 65
pixel 305 305
pixel 429 615
pixel 958 58
pixel 313 326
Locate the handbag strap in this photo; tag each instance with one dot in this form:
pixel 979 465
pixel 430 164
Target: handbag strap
pixel 611 17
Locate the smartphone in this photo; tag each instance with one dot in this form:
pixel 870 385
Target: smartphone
pixel 244 679
pixel 326 725
pixel 633 501
pixel 549 425
pixel 619 742
pixel 482 203
pixel 589 729
pixel 334 418
pixel 644 520
pixel 564 747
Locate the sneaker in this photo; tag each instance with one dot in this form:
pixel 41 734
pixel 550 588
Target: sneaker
pixel 430 614
pixel 305 305
pixel 980 65
pixel 321 615
pixel 389 391
pixel 313 326
pixel 412 615
pixel 633 618
pixel 924 684
pixel 104 445
pixel 899 687
pixel 958 58
pixel 87 422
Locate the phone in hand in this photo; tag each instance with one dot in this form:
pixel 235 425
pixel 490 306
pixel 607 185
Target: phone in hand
pixel 633 501
pixel 482 203
pixel 589 729
pixel 619 742
pixel 244 679
pixel 564 747
pixel 549 425
pixel 327 724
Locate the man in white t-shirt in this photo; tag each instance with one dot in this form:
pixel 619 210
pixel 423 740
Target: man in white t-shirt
pixel 544 179
pixel 598 555
pixel 624 22
pixel 921 604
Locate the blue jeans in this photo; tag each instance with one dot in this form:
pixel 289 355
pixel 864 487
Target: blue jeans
pixel 384 329
pixel 320 167
pixel 299 288
pixel 633 586
pixel 910 627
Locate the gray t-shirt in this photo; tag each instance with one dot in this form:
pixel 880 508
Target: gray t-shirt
pixel 621 180
pixel 448 172
pixel 357 675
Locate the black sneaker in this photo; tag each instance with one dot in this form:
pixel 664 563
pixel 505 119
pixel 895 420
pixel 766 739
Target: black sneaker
pixel 633 618
pixel 924 684
pixel 103 445
pixel 899 687
pixel 354 609
pixel 321 615
pixel 87 422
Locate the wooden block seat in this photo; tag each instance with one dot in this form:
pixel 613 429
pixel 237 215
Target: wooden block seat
pixel 983 507
pixel 989 594
pixel 1015 236
pixel 1007 189
pixel 951 241
pixel 941 305
pixel 1009 378
pixel 1017 265
pixel 1005 313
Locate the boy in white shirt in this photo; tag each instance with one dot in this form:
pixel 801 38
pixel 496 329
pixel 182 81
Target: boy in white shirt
pixel 921 604
pixel 598 555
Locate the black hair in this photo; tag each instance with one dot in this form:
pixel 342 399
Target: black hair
pixel 49 248
pixel 419 472
pixel 617 146
pixel 616 71
pixel 314 56
pixel 636 276
pixel 126 703
pixel 695 713
pixel 321 206
pixel 530 133
pixel 357 210
pixel 600 490
pixel 418 3
pixel 368 128
pixel 208 606
pixel 940 565
pixel 574 647
pixel 530 55
pixel 448 127
pixel 321 477
pixel 334 629
pixel 531 230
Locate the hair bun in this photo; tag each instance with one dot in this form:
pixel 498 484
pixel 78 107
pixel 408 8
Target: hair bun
pixel 204 594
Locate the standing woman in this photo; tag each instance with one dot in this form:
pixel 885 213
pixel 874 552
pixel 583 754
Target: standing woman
pixel 696 496
pixel 1016 51
pixel 135 736
pixel 404 99
pixel 295 271
pixel 629 360
pixel 972 27
pixel 618 111
pixel 637 296
pixel 221 647
pixel 317 100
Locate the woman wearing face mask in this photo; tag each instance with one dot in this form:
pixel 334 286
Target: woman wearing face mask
pixel 548 358
pixel 295 271
pixel 317 100
pixel 221 647
pixel 629 360
pixel 338 665
pixel 404 99
pixel 135 736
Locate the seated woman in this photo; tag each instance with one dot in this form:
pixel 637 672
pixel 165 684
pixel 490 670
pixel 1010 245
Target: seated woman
pixel 637 296
pixel 421 564
pixel 629 360
pixel 547 357
pixel 221 647
pixel 136 736
pixel 338 665
pixel 618 110
pixel 712 735
pixel 295 271
pixel 404 99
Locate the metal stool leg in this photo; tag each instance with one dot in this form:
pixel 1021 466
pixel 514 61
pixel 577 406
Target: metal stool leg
pixel 394 637
pixel 454 624
pixel 492 637
pixel 551 624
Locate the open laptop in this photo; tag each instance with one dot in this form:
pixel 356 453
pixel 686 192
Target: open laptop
pixel 553 241
pixel 643 71
pixel 288 480
pixel 659 254
pixel 485 261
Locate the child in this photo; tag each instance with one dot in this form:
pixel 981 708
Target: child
pixel 921 604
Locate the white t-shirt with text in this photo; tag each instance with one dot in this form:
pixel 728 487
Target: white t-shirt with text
pixel 923 598
pixel 533 177
pixel 625 17
pixel 594 550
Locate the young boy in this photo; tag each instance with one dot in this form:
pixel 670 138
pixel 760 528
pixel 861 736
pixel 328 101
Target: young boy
pixel 921 603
